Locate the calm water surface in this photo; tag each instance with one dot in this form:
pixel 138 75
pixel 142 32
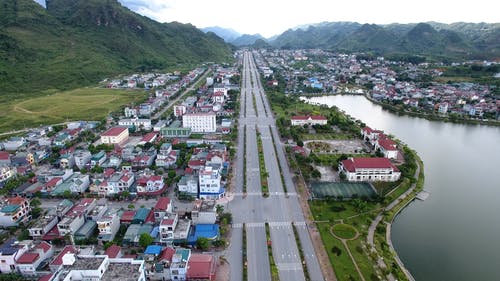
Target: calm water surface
pixel 455 233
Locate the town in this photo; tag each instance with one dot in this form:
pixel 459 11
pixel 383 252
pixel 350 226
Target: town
pixel 140 194
pixel 407 84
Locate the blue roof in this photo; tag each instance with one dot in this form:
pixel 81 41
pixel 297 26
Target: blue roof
pixel 155 231
pixel 7 248
pixel 153 250
pixel 210 231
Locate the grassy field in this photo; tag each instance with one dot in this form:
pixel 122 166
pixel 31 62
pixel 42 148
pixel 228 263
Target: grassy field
pixel 56 107
pixel 344 231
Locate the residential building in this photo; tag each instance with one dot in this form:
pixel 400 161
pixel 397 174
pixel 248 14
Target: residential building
pixel 308 120
pixel 115 135
pixel 43 225
pixel 108 226
pixel 179 266
pixel 98 159
pixel 10 251
pixel 14 210
pixel 175 130
pixel 200 122
pixel 5 158
pixel 6 172
pixel 210 184
pixel 201 267
pixel 14 143
pixel 130 112
pixel 85 231
pixel 28 262
pixel 114 251
pixel 57 263
pixel 179 110
pixel 99 267
pixel 162 207
pixel 387 146
pixel 443 108
pixel 204 212
pixel 188 185
pixel 150 185
pixel 369 169
pixel 167 228
pixel 82 157
pixel 117 183
pixel 137 123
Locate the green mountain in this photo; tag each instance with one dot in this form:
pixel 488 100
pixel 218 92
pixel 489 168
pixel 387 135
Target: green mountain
pixel 458 40
pixel 246 39
pixel 78 42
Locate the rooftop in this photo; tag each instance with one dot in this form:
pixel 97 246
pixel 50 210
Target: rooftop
pixel 115 131
pixel 122 271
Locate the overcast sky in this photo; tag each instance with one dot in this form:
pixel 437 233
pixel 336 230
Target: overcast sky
pixel 271 17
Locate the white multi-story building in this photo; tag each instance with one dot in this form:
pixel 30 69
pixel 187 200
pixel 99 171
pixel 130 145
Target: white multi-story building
pixel 82 157
pixel 308 120
pixel 13 211
pixel 27 264
pixel 200 122
pixel 10 251
pixel 188 185
pixel 443 108
pixel 167 228
pixel 140 124
pixel 179 110
pixel 369 169
pixel 108 225
pixel 210 184
pixel 6 172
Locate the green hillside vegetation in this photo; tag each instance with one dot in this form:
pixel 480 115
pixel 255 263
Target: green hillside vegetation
pixel 431 40
pixel 53 107
pixel 74 43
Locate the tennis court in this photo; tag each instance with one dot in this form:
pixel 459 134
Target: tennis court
pixel 345 189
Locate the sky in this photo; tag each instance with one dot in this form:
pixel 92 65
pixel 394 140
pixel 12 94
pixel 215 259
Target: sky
pixel 272 17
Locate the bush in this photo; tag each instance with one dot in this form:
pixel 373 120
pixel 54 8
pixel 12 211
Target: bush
pixel 336 250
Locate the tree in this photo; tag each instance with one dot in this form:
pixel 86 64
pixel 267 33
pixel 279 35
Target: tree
pixel 219 209
pixel 145 240
pixel 131 206
pixel 202 243
pixel 35 202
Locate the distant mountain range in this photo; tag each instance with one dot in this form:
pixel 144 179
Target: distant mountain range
pixel 457 40
pixel 233 37
pixel 78 42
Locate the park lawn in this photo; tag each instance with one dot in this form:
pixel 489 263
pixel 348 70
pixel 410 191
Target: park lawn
pixel 330 210
pixel 344 231
pixel 56 107
pixel 361 254
pixel 342 264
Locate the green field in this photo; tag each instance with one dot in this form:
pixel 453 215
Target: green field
pixel 56 107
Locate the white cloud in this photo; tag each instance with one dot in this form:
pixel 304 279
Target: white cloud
pixel 272 17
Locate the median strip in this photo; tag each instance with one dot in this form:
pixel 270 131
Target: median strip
pixel 262 167
pixel 301 252
pixel 274 267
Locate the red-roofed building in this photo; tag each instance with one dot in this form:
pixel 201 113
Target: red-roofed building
pixel 57 263
pixel 46 277
pixel 150 185
pixel 167 254
pixel 387 146
pixel 299 150
pixel 149 137
pixel 201 267
pixel 162 207
pixel 114 251
pixel 369 169
pixel 4 158
pixel 308 120
pixel 115 135
pixel 29 261
pixel 127 217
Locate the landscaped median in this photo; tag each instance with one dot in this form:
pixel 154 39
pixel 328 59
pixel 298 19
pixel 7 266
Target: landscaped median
pixel 262 167
pixel 274 268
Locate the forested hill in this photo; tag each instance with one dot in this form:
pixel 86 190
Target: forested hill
pixel 78 42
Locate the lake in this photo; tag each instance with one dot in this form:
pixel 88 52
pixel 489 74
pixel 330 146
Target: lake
pixel 455 233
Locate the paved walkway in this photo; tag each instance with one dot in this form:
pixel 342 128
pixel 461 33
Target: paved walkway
pixel 378 219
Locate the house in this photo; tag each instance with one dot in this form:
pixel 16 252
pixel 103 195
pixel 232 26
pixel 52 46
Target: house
pixel 308 120
pixel 131 112
pixel 6 172
pixel 210 184
pixel 5 158
pixel 443 108
pixel 71 222
pixel 10 251
pixel 76 183
pixel 127 217
pixel 134 232
pixel 166 156
pixel 162 207
pixel 140 216
pixel 179 110
pixel 115 135
pixel 85 231
pixel 117 183
pixel 100 267
pixel 150 185
pixel 148 138
pixel 204 212
pixel 201 267
pixel 57 263
pixel 179 266
pixel 200 122
pixel 67 160
pixel 188 185
pixel 14 143
pixel 98 159
pixel 114 251
pixel 152 252
pixel 369 169
pixel 82 157
pixel 167 228
pixel 28 262
pixel 108 226
pixel 43 225
pixel 13 211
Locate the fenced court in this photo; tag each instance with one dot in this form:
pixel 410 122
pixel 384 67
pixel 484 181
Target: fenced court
pixel 345 190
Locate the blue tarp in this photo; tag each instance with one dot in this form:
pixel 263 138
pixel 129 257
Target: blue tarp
pixel 153 250
pixel 210 231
